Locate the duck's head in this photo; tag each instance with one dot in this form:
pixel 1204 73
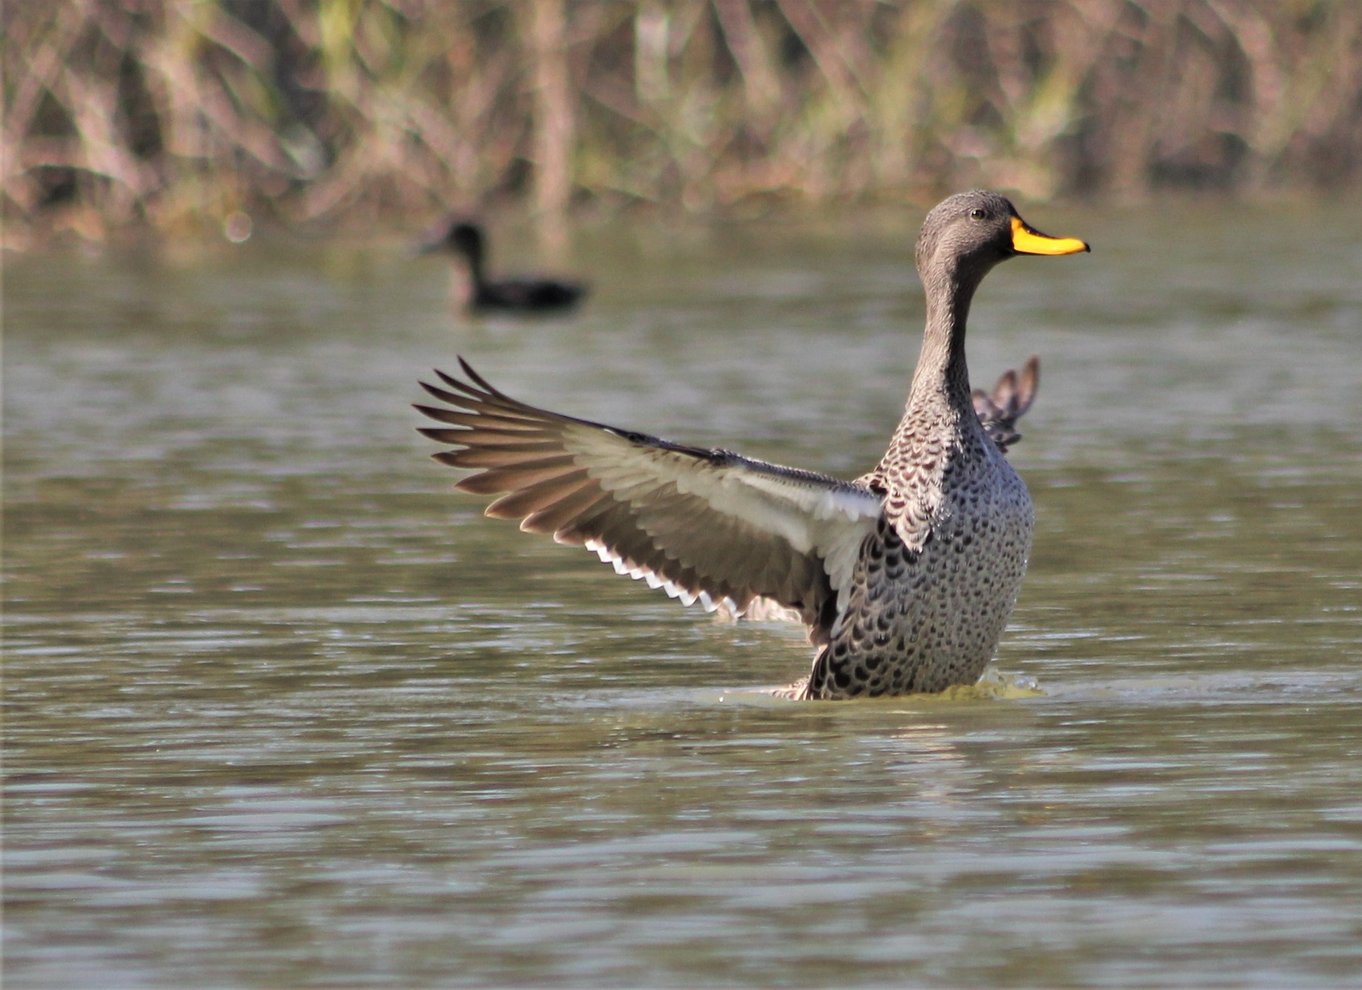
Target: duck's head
pixel 465 237
pixel 458 235
pixel 967 234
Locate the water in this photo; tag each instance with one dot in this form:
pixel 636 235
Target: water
pixel 282 710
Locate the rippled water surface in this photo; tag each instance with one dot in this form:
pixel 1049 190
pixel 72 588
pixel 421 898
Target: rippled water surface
pixel 281 709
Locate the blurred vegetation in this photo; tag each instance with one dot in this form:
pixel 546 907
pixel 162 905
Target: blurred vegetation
pixel 177 112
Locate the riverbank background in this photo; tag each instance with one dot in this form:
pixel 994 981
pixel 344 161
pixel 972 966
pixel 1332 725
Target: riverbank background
pixel 179 116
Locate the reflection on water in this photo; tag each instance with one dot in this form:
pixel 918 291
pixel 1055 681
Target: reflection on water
pixel 281 710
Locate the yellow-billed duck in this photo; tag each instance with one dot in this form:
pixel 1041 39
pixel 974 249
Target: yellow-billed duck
pixel 476 291
pixel 905 577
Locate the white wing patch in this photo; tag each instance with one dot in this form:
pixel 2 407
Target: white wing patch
pixel 784 505
pixel 649 577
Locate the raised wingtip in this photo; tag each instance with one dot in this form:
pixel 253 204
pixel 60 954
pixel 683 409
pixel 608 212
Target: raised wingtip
pixel 1009 400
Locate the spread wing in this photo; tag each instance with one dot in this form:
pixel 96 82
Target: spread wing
pixel 707 525
pixel 1011 398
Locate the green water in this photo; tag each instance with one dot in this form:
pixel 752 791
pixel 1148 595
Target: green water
pixel 282 710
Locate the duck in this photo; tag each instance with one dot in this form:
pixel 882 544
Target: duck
pixel 475 292
pixel 904 577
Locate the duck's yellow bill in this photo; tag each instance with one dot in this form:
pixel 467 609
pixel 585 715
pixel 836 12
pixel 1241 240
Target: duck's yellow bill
pixel 1028 240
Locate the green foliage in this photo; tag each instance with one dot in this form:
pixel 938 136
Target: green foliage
pixel 172 112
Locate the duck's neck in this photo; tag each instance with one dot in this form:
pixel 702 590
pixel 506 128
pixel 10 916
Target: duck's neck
pixel 473 263
pixel 941 368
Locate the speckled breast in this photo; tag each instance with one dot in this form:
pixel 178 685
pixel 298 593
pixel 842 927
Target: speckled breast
pixel 935 585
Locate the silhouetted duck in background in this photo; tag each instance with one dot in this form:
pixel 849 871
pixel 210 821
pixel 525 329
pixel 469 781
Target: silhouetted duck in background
pixel 905 577
pixel 476 292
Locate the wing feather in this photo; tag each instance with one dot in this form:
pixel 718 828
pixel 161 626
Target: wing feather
pixel 555 516
pixel 522 502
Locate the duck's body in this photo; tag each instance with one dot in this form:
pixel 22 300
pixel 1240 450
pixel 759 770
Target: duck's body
pixel 475 291
pixel 524 295
pixel 936 581
pixel 905 577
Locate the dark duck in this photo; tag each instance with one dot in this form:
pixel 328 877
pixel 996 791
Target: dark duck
pixel 478 292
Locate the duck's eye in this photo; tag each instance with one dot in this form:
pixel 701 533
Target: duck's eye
pixel 977 213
